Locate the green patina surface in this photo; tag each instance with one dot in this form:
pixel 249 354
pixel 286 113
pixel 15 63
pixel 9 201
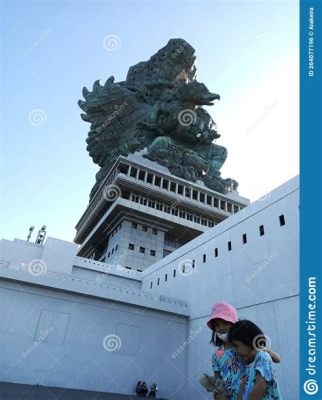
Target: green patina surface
pixel 157 107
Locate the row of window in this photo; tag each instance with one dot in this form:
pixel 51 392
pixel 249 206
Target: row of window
pixel 177 188
pixel 216 251
pixel 141 249
pixel 172 209
pixel 144 228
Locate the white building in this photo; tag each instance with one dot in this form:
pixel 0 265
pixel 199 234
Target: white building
pixel 76 322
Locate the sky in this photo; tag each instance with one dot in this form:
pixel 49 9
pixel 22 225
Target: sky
pixel 247 51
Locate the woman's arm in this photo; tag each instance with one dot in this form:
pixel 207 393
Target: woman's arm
pixel 275 356
pixel 259 388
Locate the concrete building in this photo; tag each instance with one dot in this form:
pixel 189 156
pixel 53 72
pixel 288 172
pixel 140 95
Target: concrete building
pixel 76 318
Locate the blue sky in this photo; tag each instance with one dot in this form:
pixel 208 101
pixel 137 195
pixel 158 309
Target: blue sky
pixel 246 51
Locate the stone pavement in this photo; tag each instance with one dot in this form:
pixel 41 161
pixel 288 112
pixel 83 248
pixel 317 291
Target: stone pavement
pixel 15 391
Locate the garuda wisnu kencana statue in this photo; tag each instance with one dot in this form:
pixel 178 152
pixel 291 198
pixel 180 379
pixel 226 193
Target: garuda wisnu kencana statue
pixel 157 108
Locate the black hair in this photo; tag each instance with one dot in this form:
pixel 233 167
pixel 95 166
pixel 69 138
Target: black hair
pixel 248 333
pixel 214 338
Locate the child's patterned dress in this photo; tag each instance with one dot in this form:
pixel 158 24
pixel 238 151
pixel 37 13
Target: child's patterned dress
pixel 262 364
pixel 231 368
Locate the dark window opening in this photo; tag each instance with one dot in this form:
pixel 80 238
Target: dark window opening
pixel 149 178
pixel 142 250
pixel 133 172
pixel 134 225
pixel 244 238
pixel 180 189
pixel 144 228
pixel 204 258
pixel 166 277
pixel 165 184
pixel 173 187
pixel 216 252
pixel 141 175
pixel 158 281
pixel 174 273
pixel 151 284
pixel 195 195
pixel 154 231
pixel 229 246
pixel 157 181
pixel 152 253
pixel 131 246
pixel 261 230
pixel 209 200
pixel 282 219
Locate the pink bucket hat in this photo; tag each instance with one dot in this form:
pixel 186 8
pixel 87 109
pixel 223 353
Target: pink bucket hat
pixel 223 311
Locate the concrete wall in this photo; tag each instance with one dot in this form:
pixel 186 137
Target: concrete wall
pixel 61 339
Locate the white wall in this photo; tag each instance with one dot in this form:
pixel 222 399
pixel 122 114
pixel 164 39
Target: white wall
pixel 260 278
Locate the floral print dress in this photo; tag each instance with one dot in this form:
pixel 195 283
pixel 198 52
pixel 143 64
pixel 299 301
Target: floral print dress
pixel 231 368
pixel 262 364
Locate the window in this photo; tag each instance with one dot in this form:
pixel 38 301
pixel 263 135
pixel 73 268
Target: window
pixel 166 277
pixel 134 225
pixel 141 175
pixel 151 284
pixel 139 270
pixel 131 246
pixel 180 189
pixel 236 209
pixel 142 249
pixel 216 252
pixel 229 207
pixel 282 219
pixel 124 168
pixel 222 205
pixel 152 253
pixel 209 200
pixel 149 178
pixel 229 246
pixel 108 254
pixel 144 228
pixel 193 263
pixel 133 172
pixel 204 258
pixel 215 202
pixel 187 192
pixel 154 231
pixel 112 251
pixel 244 238
pixel 158 281
pixel 157 181
pixel 103 259
pixel 261 230
pixel 202 197
pixel 195 195
pixel 165 184
pixel 174 273
pixel 116 247
pixel 173 187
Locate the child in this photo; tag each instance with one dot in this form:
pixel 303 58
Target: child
pixel 260 380
pixel 227 364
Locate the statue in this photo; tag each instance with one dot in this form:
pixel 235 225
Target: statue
pixel 158 108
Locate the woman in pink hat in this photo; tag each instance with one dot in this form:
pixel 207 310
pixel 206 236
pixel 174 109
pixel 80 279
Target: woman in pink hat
pixel 229 368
